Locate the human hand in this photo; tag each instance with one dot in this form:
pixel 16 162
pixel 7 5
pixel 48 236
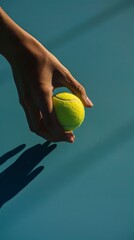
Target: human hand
pixel 37 73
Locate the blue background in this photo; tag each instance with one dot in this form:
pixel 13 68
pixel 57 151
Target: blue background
pixel 83 190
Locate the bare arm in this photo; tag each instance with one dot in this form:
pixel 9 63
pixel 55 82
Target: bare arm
pixel 37 73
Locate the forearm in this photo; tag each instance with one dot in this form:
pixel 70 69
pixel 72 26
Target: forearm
pixel 11 36
pixel 13 39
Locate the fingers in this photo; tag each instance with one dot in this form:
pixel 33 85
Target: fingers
pixel 42 121
pixel 34 120
pixel 75 87
pixel 50 120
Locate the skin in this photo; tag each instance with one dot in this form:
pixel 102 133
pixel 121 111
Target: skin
pixel 37 72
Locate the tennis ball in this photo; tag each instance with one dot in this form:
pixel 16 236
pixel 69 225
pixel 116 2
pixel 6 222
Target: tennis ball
pixel 69 110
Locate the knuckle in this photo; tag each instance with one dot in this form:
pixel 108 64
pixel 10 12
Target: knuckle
pixel 21 102
pixel 38 130
pixel 80 89
pixel 66 72
pixel 32 129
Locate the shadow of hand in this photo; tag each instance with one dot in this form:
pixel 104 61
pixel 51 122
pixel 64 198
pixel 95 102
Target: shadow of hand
pixel 22 172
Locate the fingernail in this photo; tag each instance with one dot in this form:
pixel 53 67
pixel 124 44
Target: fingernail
pixel 89 102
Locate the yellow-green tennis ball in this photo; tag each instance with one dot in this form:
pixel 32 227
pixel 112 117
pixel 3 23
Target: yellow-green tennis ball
pixel 69 110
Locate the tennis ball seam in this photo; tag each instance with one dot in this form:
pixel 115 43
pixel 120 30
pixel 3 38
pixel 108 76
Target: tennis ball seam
pixel 70 100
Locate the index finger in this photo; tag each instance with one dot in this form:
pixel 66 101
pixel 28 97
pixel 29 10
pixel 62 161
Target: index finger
pixel 75 87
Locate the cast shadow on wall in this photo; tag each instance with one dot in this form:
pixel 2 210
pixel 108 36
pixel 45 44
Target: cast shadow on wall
pixel 19 174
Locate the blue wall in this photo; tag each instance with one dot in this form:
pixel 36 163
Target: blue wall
pixel 84 190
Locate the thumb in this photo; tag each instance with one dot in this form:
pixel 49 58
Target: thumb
pixel 75 87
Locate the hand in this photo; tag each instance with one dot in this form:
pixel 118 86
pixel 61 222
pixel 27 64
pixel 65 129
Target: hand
pixel 37 73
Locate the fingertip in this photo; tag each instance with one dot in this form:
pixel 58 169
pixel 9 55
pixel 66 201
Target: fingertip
pixel 72 140
pixel 70 137
pixel 89 103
